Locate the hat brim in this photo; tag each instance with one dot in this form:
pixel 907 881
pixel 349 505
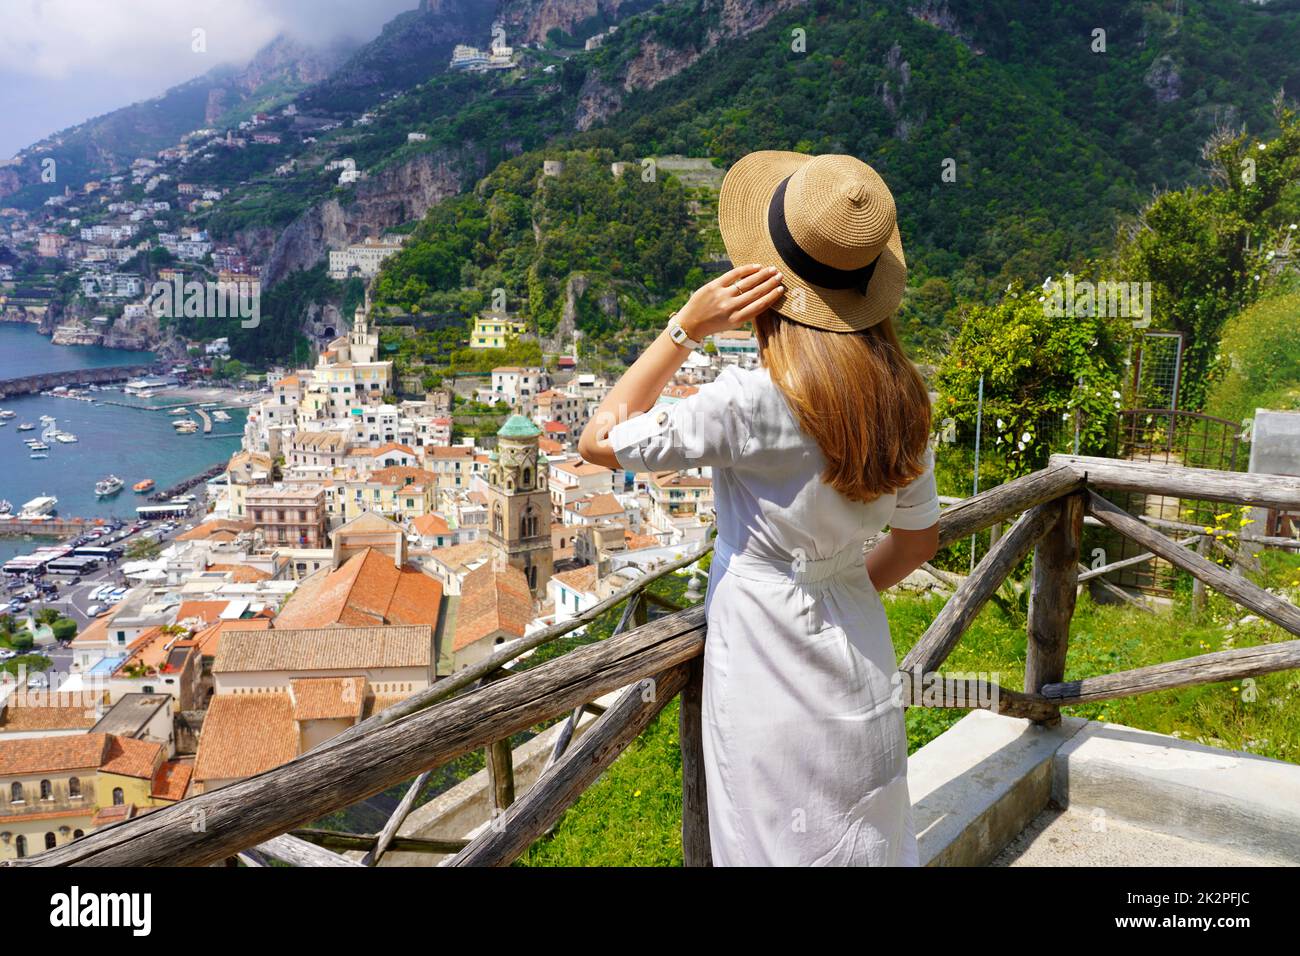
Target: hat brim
pixel 742 219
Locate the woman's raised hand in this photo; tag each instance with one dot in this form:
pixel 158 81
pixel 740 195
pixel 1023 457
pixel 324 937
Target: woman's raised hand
pixel 730 300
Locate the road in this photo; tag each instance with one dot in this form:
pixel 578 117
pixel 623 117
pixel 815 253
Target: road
pixel 73 600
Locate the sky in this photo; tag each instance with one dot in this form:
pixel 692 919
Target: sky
pixel 66 61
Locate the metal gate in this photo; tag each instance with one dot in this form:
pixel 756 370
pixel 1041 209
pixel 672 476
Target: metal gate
pixel 1173 437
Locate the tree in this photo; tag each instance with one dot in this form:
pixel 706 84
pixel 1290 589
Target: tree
pixel 143 549
pixel 65 629
pixel 1039 371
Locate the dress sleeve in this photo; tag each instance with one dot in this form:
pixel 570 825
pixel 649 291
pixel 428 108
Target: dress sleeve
pixel 917 505
pixel 707 429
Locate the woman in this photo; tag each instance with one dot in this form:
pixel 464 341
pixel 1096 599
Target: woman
pixel 812 453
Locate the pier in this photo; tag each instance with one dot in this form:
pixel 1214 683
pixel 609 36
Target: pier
pixel 33 384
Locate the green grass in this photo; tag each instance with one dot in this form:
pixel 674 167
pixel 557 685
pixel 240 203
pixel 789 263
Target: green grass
pixel 632 815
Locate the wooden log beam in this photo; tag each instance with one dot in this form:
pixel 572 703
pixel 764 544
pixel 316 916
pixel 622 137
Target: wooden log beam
pixel 1210 668
pixel 1087 574
pixel 696 849
pixel 1052 596
pixel 1151 478
pixel 334 840
pixel 1269 541
pixel 327 779
pixel 947 628
pixel 510 834
pixel 1244 592
pixel 1005 501
pixel 399 816
pixel 971 693
pixel 287 849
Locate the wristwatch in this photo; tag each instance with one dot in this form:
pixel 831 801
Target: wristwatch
pixel 678 334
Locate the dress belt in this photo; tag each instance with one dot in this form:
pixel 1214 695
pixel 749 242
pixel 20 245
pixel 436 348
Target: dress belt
pixel 797 569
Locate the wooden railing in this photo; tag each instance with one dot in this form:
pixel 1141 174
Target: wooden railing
pixel 656 660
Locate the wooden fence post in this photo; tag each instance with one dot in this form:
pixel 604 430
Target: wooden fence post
pixel 1051 599
pixel 690 733
pixel 1198 586
pixel 500 763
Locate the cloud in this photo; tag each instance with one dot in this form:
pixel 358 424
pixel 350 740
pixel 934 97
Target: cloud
pixel 65 61
pixel 53 39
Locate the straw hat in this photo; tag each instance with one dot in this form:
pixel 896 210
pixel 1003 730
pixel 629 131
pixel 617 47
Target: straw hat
pixel 828 223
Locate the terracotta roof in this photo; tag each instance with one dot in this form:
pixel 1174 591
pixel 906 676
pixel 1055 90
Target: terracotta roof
pixel 391 446
pixel 675 479
pixel 242 573
pixel 122 755
pixel 209 639
pixel 289 381
pixel 96 631
pixel 458 556
pixel 549 446
pixel 154 649
pixel 222 529
pixel 555 428
pixel 327 698
pixel 205 611
pixel 367 589
pixel 581 468
pixel 597 506
pixel 128 757
pixel 431 524
pixel 323 649
pixel 113 814
pixel 449 451
pixel 245 734
pixel 579 579
pixel 172 781
pixel 48 712
pixel 492 600
pixel 635 542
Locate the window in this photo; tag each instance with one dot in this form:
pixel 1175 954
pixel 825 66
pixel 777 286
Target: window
pixel 47 791
pixel 50 841
pixel 16 793
pixel 119 797
pixel 78 834
pixel 74 787
pixel 20 845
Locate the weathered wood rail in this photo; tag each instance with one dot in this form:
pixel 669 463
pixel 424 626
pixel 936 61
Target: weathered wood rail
pixel 652 661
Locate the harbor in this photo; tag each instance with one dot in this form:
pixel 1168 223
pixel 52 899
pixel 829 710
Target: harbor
pixel 115 435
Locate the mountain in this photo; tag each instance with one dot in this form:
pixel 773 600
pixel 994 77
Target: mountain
pixel 223 96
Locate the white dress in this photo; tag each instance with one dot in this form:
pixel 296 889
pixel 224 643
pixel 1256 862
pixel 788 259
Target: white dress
pixel 805 747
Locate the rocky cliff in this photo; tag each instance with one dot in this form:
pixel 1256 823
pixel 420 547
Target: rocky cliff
pixel 391 196
pixel 656 62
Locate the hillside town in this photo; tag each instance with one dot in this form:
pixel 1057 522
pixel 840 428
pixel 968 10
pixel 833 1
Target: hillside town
pixel 352 554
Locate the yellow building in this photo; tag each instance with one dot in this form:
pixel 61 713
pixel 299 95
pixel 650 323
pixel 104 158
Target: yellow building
pixel 398 492
pixel 56 789
pixel 493 329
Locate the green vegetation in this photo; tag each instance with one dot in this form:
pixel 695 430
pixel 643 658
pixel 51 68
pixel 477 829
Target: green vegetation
pixel 1259 354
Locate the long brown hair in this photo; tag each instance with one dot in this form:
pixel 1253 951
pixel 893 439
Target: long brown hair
pixel 857 395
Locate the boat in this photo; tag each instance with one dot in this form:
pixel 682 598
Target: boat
pixel 140 487
pixel 48 419
pixel 6 506
pixel 26 427
pixel 37 446
pixel 38 454
pixel 110 485
pixel 8 413
pixel 182 410
pixel 66 437
pixel 43 505
pixel 221 416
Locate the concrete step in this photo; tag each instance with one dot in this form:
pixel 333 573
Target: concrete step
pixel 1058 837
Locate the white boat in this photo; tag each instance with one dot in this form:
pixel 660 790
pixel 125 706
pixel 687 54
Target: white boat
pixel 182 411
pixel 48 419
pixel 43 505
pixel 37 446
pixel 110 485
pixel 8 413
pixel 38 454
pixel 221 416
pixel 66 437
pixel 26 427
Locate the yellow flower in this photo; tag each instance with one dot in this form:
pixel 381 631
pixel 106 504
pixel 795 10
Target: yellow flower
pixel 638 793
pixel 1209 530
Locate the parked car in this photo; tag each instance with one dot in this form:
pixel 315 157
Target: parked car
pixel 95 610
pixel 38 680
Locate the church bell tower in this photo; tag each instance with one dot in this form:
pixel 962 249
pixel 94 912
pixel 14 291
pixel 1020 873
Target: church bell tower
pixel 519 504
